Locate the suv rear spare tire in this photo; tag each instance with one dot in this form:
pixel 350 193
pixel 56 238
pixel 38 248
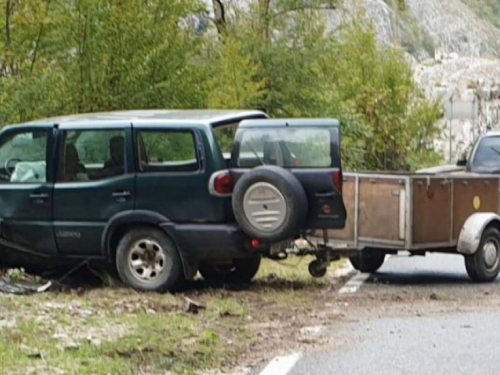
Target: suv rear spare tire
pixel 270 204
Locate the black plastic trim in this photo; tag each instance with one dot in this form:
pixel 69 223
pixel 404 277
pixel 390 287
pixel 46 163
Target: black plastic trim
pixel 56 257
pixel 209 242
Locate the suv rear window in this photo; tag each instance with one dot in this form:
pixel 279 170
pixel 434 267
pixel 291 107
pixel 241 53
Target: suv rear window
pixel 92 155
pixel 292 147
pixel 167 151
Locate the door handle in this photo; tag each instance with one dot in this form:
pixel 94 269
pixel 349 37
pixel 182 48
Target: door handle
pixel 329 194
pixel 121 196
pixel 39 196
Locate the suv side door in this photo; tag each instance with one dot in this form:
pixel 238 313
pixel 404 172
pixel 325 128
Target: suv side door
pixel 173 174
pixel 94 181
pixel 26 188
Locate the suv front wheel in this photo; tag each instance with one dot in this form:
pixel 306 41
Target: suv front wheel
pixel 147 260
pixel 239 271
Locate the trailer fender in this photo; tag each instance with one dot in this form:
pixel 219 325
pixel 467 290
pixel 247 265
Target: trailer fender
pixel 472 231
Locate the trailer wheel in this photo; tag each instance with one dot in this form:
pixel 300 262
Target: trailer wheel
pixel 317 268
pixel 484 264
pixel 368 261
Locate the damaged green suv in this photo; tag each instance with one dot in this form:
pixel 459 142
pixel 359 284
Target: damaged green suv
pixel 153 192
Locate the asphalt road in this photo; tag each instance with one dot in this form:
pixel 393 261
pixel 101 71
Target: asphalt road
pixel 416 316
pixel 457 344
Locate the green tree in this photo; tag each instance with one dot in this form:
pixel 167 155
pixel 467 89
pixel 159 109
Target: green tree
pixel 386 118
pixel 29 79
pixel 59 56
pixel 387 123
pixel 130 54
pixel 234 81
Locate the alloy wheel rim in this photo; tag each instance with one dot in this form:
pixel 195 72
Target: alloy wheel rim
pixel 146 260
pixel 490 254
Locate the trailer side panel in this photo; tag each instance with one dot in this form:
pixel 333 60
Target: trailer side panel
pixel 471 195
pixel 432 203
pixel 379 208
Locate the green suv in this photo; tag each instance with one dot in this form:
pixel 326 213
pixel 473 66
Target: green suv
pixel 154 193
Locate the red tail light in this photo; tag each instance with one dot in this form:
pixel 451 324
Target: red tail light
pixel 338 180
pixel 255 243
pixel 223 183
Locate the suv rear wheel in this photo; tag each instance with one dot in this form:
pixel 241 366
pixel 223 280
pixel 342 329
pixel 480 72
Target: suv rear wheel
pixel 239 271
pixel 147 260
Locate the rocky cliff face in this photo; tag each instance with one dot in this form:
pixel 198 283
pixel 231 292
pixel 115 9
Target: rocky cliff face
pixel 465 73
pixel 470 94
pixel 423 26
pixel 455 27
pixel 455 54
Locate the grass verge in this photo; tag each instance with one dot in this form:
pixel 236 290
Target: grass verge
pixel 113 330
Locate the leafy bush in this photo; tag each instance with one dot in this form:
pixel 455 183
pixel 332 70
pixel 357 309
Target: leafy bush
pixel 62 57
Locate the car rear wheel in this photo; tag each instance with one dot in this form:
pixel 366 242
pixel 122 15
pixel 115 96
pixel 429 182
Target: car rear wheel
pixel 147 260
pixel 239 271
pixel 270 204
pixel 484 264
pixel 368 261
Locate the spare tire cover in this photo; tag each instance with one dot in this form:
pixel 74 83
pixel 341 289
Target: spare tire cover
pixel 270 204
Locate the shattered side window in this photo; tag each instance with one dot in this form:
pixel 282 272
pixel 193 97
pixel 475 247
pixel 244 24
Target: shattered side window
pixel 23 157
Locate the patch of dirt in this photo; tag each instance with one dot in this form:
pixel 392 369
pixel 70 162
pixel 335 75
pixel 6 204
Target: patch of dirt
pixel 273 316
pixel 280 326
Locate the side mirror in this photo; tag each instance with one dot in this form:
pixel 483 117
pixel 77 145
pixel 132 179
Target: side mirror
pixel 462 162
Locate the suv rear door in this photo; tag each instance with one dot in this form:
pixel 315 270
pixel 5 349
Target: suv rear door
pixel 172 174
pixel 310 149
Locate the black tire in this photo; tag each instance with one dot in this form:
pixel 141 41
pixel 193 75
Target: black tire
pixel 292 192
pixel 368 261
pixel 240 271
pixel 157 245
pixel 317 268
pixel 484 265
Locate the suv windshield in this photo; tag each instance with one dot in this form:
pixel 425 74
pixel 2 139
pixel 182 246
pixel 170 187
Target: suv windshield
pixel 286 147
pixel 487 156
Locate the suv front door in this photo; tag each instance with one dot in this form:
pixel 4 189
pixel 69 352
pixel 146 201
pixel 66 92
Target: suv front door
pixel 26 189
pixel 94 182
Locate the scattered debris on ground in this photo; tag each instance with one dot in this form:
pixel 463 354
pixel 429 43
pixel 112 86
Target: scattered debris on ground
pixel 16 281
pixel 193 307
pixel 93 329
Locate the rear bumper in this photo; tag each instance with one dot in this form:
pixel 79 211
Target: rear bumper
pixel 209 242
